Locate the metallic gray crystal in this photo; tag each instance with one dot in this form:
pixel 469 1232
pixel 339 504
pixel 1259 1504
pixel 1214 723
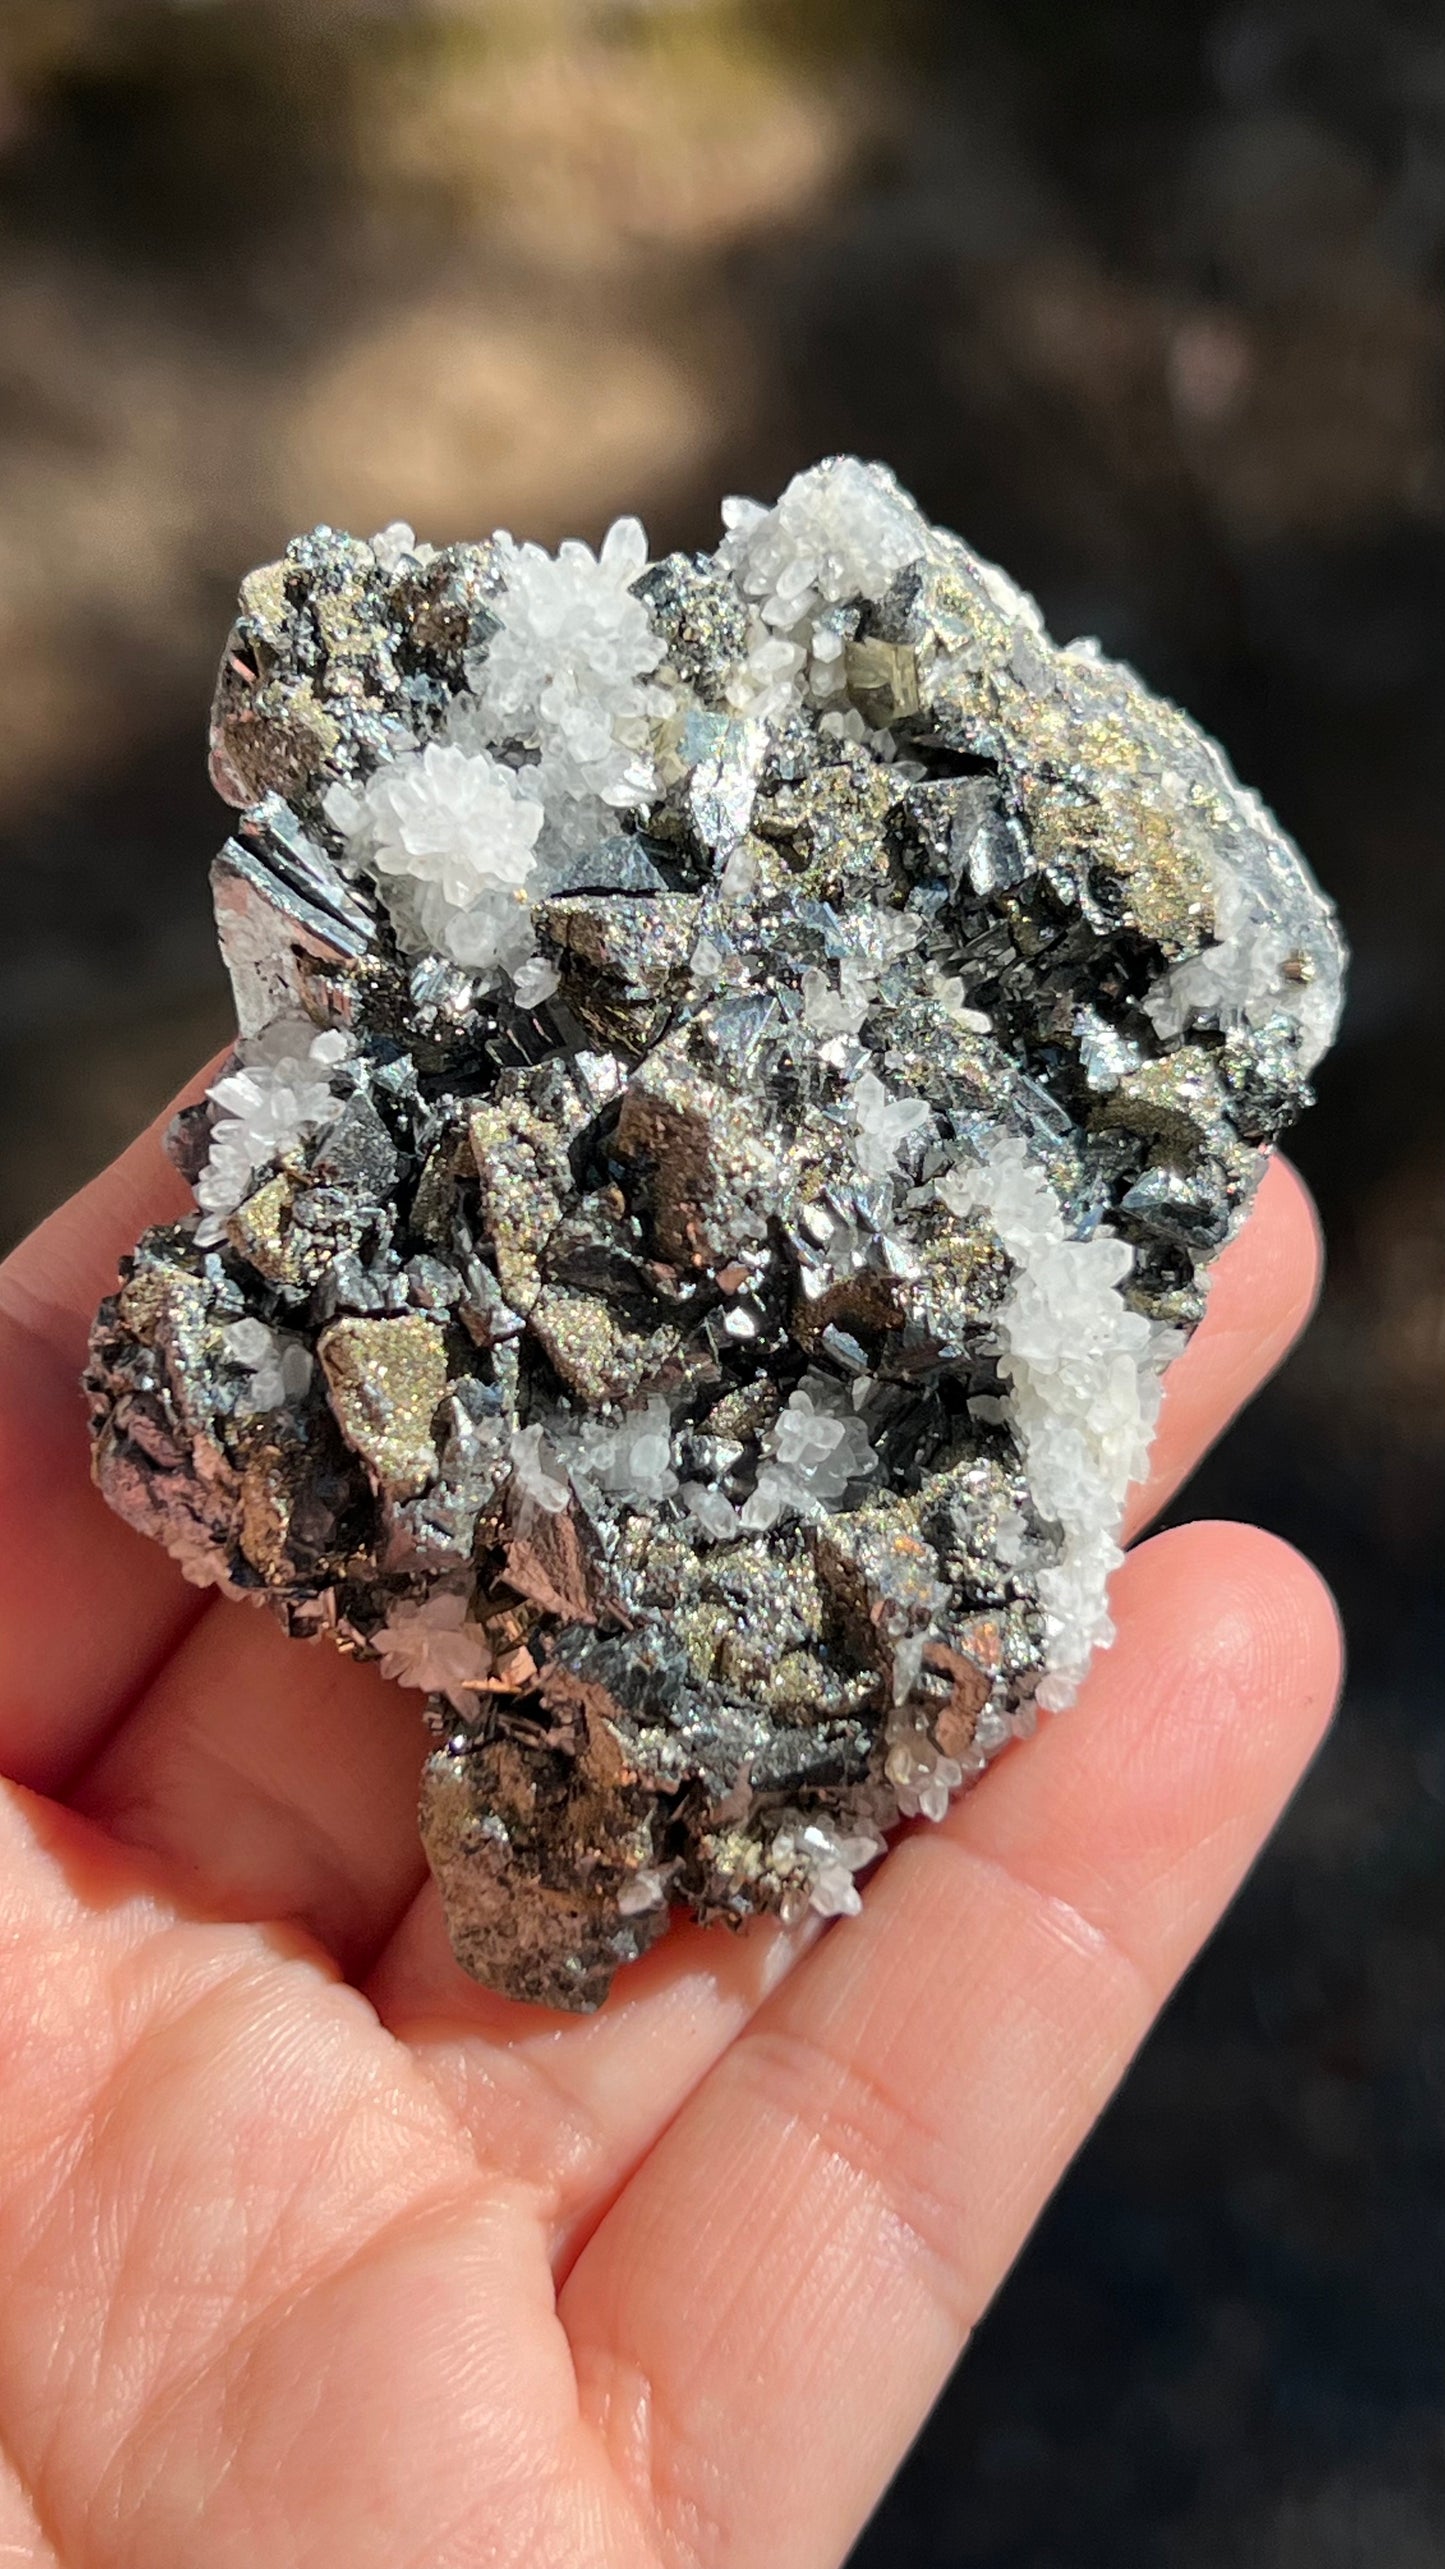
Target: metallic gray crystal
pixel 647 1187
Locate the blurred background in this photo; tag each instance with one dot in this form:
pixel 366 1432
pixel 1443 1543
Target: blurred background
pixel 1147 297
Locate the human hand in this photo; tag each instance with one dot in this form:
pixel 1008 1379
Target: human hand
pixel 315 2253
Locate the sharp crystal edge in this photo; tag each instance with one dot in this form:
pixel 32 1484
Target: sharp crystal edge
pixel 745 1061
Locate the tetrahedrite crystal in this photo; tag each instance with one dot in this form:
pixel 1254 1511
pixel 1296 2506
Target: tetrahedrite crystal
pixel 744 1064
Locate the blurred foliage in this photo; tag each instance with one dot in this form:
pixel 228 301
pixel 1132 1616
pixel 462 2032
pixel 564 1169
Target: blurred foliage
pixel 238 238
pixel 571 124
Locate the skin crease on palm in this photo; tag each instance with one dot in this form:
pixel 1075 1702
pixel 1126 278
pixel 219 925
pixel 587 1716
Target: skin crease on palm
pixel 315 2253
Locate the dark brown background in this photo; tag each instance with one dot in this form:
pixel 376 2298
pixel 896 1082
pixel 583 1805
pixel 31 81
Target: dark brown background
pixel 1149 301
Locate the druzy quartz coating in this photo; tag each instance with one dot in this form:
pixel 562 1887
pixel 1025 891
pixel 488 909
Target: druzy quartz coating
pixel 744 1063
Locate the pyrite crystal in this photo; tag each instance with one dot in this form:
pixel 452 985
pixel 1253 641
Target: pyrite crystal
pixel 744 1063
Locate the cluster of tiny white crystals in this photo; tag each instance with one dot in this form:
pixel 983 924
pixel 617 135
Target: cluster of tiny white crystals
pixel 712 1512
pixel 834 1893
pixel 431 1645
pixel 829 1860
pixel 827 1011
pixel 451 817
pixel 280 1096
pixel 534 981
pixel 891 933
pixel 827 662
pixel 1084 1389
pixel 885 937
pixel 640 1463
pixel 533 1481
pixel 279 1368
pixel 923 1779
pixel 460 838
pixel 453 835
pixel 814 1450
pixel 1241 979
pixel 842 530
pixel 841 724
pixel 631 1460
pixel 1233 982
pixel 950 993
pixel 395 544
pixel 494 935
pixel 771 681
pixel 884 1124
pixel 567 675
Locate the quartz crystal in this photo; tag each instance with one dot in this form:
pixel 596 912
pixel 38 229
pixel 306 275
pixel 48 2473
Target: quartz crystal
pixel 744 1063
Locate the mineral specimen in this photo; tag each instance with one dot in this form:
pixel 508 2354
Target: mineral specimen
pixel 744 1063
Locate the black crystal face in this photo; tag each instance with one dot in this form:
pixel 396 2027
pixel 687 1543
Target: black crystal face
pixel 744 1063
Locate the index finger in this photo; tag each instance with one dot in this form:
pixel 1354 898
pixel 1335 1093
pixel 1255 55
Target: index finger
pixel 89 1609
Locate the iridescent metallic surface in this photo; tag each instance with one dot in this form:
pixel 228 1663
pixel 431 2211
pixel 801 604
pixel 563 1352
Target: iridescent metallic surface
pixel 744 1065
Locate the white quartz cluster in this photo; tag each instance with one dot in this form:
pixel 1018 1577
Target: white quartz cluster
pixel 832 1858
pixel 844 530
pixel 552 741
pixel 812 1454
pixel 280 1095
pixel 830 1010
pixel 1245 976
pixel 814 1450
pixel 630 1458
pixel 1084 1376
pixel 634 1459
pixel 536 1477
pixel 432 1644
pixel 451 834
pixel 278 1369
pixel 885 1124
pixel 568 673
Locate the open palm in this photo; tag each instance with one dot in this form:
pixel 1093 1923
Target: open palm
pixel 314 2255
